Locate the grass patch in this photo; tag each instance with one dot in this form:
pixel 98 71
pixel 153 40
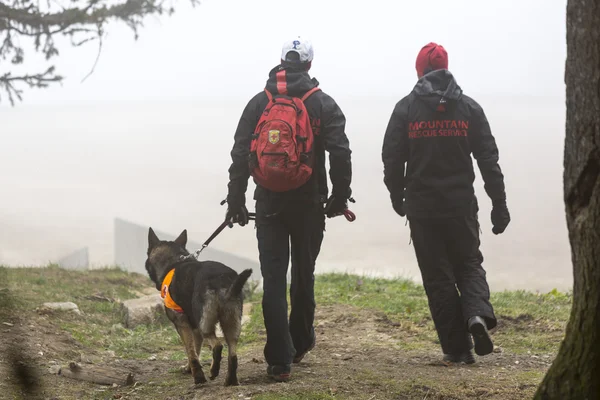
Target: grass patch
pixel 30 287
pixel 101 331
pixel 97 293
pixel 397 297
pixel 138 343
pixel 302 396
pixel 531 322
pixel 528 322
pixel 254 329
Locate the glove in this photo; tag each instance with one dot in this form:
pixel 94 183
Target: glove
pixel 335 206
pixel 237 214
pixel 398 206
pixel 500 217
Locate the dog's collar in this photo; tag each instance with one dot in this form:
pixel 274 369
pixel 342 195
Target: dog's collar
pixel 166 295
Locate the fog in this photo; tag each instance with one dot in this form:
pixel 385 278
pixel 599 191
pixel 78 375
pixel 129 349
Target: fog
pixel 147 137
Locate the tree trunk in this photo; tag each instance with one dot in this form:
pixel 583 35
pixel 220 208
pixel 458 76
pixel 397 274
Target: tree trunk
pixel 575 373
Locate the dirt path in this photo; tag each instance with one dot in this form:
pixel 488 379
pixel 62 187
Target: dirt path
pixel 359 355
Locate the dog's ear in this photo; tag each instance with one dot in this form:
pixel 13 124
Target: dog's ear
pixel 152 239
pixel 182 239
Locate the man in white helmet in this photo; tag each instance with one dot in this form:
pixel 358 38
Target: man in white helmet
pixel 290 220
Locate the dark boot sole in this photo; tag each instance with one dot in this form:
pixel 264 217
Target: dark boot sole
pixel 482 339
pixel 283 376
pixel 468 359
pixel 280 377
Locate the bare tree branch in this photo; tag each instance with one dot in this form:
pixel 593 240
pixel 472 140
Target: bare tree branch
pixel 82 21
pixel 42 80
pixel 97 57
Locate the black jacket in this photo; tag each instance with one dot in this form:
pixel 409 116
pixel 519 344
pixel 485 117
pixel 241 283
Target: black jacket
pixel 434 130
pixel 328 124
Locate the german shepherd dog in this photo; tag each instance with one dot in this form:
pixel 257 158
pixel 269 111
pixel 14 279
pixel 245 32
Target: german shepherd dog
pixel 205 292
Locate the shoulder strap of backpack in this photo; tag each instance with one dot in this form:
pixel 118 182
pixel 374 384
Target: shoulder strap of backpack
pixel 269 95
pixel 310 92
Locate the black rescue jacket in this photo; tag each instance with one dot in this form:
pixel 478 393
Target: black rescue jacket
pixel 434 130
pixel 328 124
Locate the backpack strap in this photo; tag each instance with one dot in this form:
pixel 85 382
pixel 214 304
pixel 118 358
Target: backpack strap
pixel 281 82
pixel 306 95
pixel 310 92
pixel 269 95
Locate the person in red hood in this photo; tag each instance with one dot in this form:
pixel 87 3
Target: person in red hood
pixel 429 174
pixel 293 216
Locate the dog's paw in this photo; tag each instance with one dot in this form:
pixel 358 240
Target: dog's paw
pixel 231 382
pixel 215 366
pixel 214 371
pixel 198 385
pixel 199 379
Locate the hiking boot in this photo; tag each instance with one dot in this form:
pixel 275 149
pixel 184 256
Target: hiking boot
pixel 300 356
pixel 481 336
pixel 466 357
pixel 279 373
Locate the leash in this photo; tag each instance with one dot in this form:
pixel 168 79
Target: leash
pixel 349 215
pixel 225 224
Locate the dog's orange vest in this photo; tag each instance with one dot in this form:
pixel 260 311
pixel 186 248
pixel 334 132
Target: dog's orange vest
pixel 166 296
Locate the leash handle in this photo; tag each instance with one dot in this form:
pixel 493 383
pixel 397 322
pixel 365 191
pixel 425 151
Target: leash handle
pixel 350 216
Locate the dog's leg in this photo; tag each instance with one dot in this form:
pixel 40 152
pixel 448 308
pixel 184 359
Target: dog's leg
pixel 231 323
pixel 198 340
pixel 190 344
pixel 232 363
pixel 217 354
pixel 210 316
pixel 187 368
pixel 179 321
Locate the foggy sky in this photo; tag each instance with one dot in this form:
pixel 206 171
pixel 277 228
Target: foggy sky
pixel 225 48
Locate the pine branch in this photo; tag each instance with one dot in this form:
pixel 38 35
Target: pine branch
pixel 83 21
pixel 33 19
pixel 41 80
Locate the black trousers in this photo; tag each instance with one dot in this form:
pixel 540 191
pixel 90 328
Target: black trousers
pixel 299 227
pixel 449 258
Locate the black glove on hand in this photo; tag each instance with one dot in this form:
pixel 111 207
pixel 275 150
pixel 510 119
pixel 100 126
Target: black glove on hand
pixel 500 217
pixel 335 206
pixel 237 214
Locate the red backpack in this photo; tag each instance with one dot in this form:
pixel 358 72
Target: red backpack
pixel 281 150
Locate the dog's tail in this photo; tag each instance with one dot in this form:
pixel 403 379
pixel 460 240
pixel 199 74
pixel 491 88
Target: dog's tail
pixel 238 284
